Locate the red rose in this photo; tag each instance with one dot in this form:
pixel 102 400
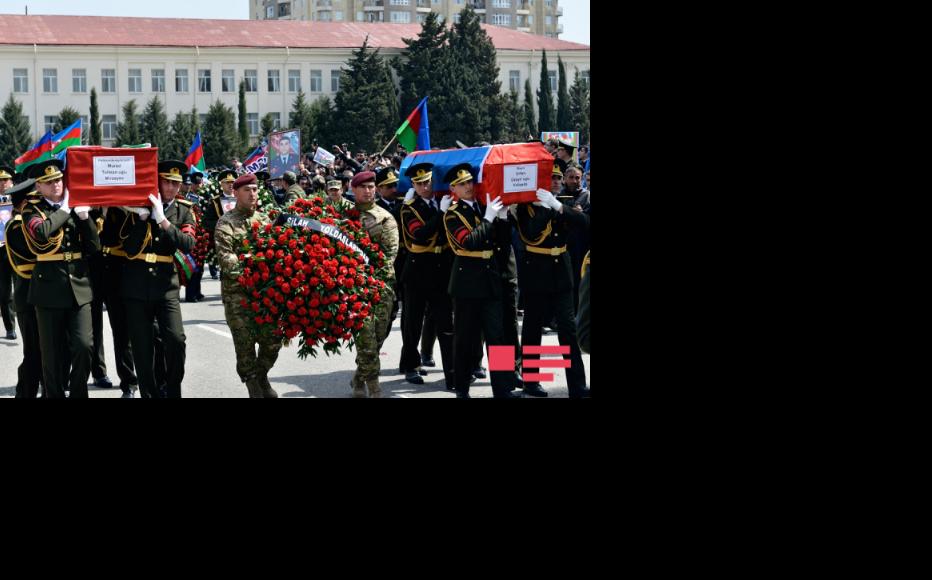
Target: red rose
pixel 286 288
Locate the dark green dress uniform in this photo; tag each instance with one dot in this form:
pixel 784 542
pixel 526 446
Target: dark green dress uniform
pixel 151 289
pixel 7 312
pixel 61 288
pixel 476 288
pixel 212 214
pixel 547 286
pixel 426 278
pixel 115 230
pixel 22 263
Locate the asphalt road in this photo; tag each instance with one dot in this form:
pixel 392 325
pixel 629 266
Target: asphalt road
pixel 210 371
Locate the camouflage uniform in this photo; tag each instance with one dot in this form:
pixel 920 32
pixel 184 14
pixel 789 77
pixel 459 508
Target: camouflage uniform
pixel 383 231
pixel 253 370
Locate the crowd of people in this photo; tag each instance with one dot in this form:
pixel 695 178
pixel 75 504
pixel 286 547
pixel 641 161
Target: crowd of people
pixel 461 271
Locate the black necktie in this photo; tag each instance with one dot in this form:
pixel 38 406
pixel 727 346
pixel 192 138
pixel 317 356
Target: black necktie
pixel 56 207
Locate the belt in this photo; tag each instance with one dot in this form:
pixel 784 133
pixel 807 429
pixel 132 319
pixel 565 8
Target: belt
pixel 416 249
pixel 118 252
pixel 153 258
pixel 66 257
pixel 547 251
pixel 487 255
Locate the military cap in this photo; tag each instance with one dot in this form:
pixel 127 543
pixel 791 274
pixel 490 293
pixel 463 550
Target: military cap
pixel 19 192
pixel 569 147
pixel 6 172
pixel 263 175
pixel 290 177
pixel 386 176
pixel 226 175
pixel 244 180
pixel 46 171
pixel 420 172
pixel 559 166
pixel 334 184
pixel 172 170
pixel 363 177
pixel 460 174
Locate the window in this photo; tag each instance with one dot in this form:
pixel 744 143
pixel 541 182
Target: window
pixel 501 19
pixel 317 82
pixel 501 3
pixel 549 21
pixel 338 16
pixel 50 80
pixel 202 118
pixel 203 80
pixel 181 80
pixel 108 80
pixel 514 80
pixel 252 119
pixel 85 129
pixel 283 10
pixel 401 2
pixel 456 18
pixel 50 122
pixel 294 81
pixel 275 81
pixel 421 18
pixel 135 80
pixel 584 77
pixel 435 2
pixel 325 16
pixel 79 80
pixel 158 80
pixel 401 17
pixel 20 80
pixel 228 80
pixel 270 11
pixel 360 17
pixel 109 126
pixel 276 120
pixel 530 20
pixel 335 81
pixel 252 81
pixel 553 79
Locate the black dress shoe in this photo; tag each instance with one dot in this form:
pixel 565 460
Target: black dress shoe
pixel 422 372
pixel 11 335
pixel 509 395
pixel 201 297
pixel 427 361
pixel 479 373
pixel 462 395
pixel 534 390
pixel 414 378
pixel 103 382
pixel 128 395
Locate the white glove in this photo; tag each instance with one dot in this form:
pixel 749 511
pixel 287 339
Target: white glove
pixel 547 199
pixel 64 203
pixel 158 210
pixel 503 213
pixel 81 211
pixel 493 206
pixel 142 212
pixel 410 195
pixel 445 203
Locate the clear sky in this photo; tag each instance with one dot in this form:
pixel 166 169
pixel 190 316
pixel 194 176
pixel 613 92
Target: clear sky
pixel 575 12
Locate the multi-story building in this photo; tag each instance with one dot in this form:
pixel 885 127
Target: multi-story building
pixel 536 16
pixel 51 62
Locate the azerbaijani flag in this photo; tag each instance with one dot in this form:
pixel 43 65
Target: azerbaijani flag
pixel 414 133
pixel 70 137
pixel 41 151
pixel 195 158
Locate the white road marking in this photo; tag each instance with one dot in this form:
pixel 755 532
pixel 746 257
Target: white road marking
pixel 215 331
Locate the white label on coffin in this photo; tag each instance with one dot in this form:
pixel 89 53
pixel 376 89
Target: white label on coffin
pixel 114 171
pixel 520 178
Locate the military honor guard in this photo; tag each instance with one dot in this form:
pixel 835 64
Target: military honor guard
pixel 215 209
pixel 7 311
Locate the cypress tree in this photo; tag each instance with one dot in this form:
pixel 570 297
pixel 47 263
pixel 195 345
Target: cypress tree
pixel 128 132
pixel 15 133
pixel 220 138
pixel 154 128
pixel 95 134
pixel 564 114
pixel 243 125
pixel 545 112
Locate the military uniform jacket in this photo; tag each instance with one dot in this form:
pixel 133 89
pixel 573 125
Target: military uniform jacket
pixel 233 226
pixel 429 258
pixel 545 230
pixel 383 230
pixel 150 273
pixel 59 284
pixel 114 231
pixel 293 194
pixel 394 207
pixel 213 213
pixel 22 260
pixel 475 273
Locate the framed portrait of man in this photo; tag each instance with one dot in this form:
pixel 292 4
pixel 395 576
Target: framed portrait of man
pixel 284 152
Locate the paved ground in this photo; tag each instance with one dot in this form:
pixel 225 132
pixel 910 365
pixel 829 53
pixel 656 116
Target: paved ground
pixel 211 373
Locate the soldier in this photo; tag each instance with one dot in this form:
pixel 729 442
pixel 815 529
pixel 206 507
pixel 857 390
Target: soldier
pixel 426 274
pixel 252 369
pixel 335 194
pixel 578 200
pixel 6 272
pixel 565 151
pixel 150 282
pixel 383 231
pixel 98 356
pixel 215 209
pixel 61 239
pixel 192 292
pixel 115 230
pixel 547 283
pixel 294 192
pixel 386 180
pixel 476 282
pixel 556 177
pixel 22 261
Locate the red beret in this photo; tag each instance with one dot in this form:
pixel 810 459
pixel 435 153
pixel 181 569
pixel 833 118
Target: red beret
pixel 245 179
pixel 362 177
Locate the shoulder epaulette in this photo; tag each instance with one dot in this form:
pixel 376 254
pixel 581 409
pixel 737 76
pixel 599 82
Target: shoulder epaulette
pixel 185 202
pixel 410 201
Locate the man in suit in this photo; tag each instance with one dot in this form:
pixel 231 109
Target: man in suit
pixel 61 238
pixel 475 282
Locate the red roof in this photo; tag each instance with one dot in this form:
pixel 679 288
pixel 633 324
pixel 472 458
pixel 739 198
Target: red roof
pixel 110 31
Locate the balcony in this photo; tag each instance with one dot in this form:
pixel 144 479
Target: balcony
pixel 559 29
pixel 477 5
pixel 523 29
pixel 423 6
pixel 325 3
pixel 559 11
pixel 523 8
pixel 371 5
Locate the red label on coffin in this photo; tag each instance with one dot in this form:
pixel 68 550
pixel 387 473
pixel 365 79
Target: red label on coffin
pixel 509 172
pixel 110 177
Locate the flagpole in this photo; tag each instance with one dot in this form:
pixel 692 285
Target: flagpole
pixel 389 145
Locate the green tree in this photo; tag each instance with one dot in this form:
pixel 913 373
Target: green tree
pixel 15 133
pixel 367 105
pixel 243 125
pixel 545 112
pixel 530 122
pixel 301 119
pixel 564 114
pixel 181 135
pixel 418 69
pixel 94 130
pixel 220 138
pixel 267 125
pixel 476 73
pixel 154 127
pixel 579 107
pixel 321 115
pixel 66 118
pixel 516 120
pixel 129 132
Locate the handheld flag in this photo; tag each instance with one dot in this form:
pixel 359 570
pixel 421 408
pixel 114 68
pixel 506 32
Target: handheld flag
pixel 41 151
pixel 414 133
pixel 70 137
pixel 195 157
